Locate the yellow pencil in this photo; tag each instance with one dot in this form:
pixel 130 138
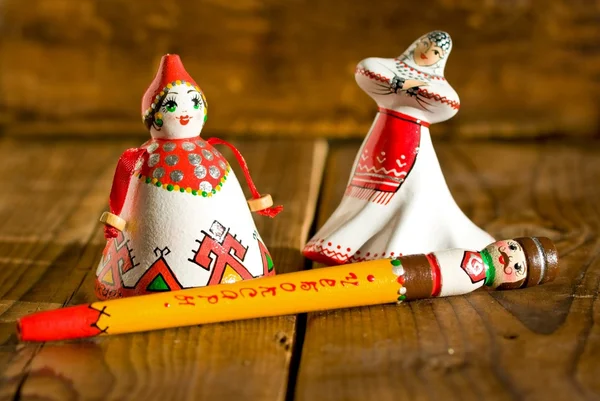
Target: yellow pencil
pixel 522 262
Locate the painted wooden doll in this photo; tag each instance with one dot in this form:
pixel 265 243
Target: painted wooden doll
pixel 397 201
pixel 178 217
pixel 507 264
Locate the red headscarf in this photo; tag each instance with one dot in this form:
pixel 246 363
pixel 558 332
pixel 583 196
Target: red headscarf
pixel 170 72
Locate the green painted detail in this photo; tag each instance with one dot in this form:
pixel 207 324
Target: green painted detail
pixel 171 187
pixel 401 297
pixel 269 262
pixel 396 262
pixel 171 106
pixel 158 284
pixel 490 270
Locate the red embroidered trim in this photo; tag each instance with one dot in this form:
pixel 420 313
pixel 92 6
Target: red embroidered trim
pixel 423 92
pixel 370 194
pixel 334 254
pixel 372 75
pixel 422 73
pixel 443 99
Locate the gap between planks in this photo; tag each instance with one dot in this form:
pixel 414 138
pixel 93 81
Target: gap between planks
pixel 538 343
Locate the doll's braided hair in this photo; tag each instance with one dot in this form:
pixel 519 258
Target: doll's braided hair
pixel 149 120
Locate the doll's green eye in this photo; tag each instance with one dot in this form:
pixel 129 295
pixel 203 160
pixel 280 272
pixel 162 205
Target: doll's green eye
pixel 196 101
pixel 170 106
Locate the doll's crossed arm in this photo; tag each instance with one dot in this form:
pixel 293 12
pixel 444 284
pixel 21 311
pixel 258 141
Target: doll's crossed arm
pixel 384 79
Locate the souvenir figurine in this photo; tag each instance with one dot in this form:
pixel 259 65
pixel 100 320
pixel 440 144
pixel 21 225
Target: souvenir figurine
pixel 397 201
pixel 178 217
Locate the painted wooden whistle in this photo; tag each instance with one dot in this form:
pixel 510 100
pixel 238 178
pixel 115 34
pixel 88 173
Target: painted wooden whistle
pixel 508 264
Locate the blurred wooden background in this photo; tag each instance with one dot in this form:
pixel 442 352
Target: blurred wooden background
pixel 523 68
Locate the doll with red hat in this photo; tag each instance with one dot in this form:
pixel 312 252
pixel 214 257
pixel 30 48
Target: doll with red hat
pixel 178 217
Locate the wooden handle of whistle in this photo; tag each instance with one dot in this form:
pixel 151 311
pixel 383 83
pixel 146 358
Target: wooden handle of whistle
pixel 113 220
pixel 261 203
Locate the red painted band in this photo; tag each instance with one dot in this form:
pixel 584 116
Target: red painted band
pixel 402 116
pixel 436 275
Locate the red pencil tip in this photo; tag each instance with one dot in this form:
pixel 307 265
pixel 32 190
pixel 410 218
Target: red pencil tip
pixel 60 324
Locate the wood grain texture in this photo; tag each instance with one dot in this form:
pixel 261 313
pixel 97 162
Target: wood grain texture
pixel 522 68
pixel 536 344
pixel 52 193
pixel 241 360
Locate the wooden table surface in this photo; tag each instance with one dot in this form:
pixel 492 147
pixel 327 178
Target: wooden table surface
pixel 539 343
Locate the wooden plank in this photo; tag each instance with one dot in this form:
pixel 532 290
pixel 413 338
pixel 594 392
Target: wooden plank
pixel 53 192
pixel 539 343
pixel 521 68
pixel 247 359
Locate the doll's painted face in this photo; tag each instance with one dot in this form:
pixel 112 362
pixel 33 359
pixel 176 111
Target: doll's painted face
pixel 427 52
pixel 509 262
pixel 181 114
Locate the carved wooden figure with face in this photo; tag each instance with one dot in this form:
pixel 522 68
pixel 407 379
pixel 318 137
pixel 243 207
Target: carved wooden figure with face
pixel 511 262
pixel 507 264
pixel 178 215
pixel 397 201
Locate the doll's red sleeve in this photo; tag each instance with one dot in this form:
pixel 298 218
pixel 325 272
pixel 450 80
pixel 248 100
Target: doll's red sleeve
pixel 120 185
pixel 271 211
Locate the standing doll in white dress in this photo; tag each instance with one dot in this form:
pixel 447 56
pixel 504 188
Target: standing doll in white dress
pixel 397 201
pixel 178 217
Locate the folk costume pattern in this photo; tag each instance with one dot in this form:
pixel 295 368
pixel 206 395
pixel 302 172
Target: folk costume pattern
pixel 386 158
pixel 178 217
pixel 397 201
pixel 192 167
